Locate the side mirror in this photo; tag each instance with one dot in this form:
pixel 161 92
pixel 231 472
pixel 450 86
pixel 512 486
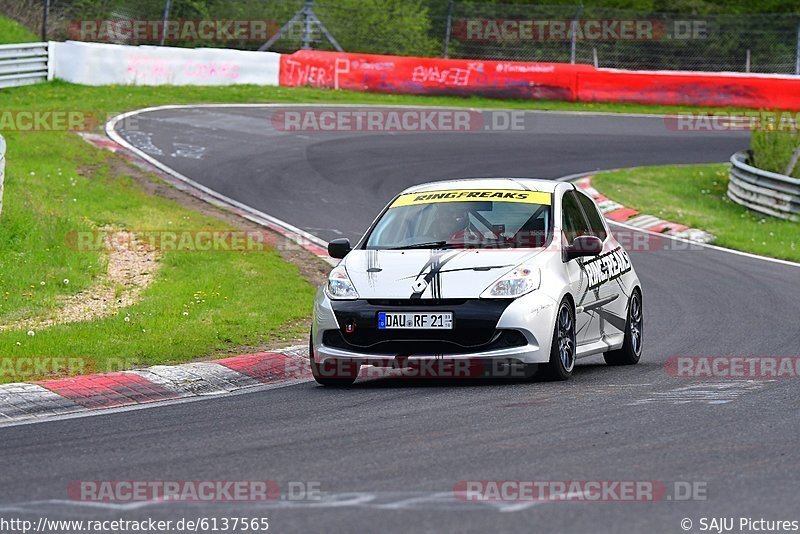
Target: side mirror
pixel 583 246
pixel 339 248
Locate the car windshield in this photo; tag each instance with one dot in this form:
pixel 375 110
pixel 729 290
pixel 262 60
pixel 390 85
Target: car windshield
pixel 475 218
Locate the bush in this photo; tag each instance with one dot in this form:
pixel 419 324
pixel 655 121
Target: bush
pixel 772 150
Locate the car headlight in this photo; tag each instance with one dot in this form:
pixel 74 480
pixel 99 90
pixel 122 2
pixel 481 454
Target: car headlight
pixel 340 287
pixel 515 283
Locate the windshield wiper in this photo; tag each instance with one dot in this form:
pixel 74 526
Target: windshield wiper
pixel 430 244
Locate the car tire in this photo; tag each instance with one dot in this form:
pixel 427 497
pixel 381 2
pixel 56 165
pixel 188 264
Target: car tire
pixel 342 378
pixel 631 349
pixel 563 349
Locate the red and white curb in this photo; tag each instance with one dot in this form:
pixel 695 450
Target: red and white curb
pixel 618 213
pixel 80 394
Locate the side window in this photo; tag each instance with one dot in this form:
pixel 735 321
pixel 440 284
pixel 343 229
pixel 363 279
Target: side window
pixel 574 222
pixel 594 217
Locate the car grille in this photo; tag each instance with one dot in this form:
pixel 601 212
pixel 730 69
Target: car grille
pixel 474 327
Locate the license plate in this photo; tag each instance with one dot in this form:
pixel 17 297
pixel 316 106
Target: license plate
pixel 415 320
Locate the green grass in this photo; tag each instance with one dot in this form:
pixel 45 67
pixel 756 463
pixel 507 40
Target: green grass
pixel 12 32
pixel 772 151
pixel 231 299
pixel 56 184
pixel 694 195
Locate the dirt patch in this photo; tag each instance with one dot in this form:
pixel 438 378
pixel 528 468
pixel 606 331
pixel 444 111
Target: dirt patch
pixel 311 268
pixel 130 269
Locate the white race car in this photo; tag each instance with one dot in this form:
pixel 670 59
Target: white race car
pixel 516 274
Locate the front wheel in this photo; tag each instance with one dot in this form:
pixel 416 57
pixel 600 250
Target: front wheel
pixel 332 375
pixel 631 349
pixel 563 348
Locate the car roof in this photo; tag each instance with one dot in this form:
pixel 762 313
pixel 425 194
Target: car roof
pixel 531 184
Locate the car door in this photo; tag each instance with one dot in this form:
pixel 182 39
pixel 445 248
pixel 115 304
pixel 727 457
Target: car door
pixel 574 224
pixel 602 300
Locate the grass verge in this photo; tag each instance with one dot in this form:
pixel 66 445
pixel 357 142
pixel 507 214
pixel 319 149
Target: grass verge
pixel 695 195
pixel 12 32
pixel 200 305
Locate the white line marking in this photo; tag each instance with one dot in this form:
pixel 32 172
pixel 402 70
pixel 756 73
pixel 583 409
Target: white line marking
pixel 116 137
pixel 397 500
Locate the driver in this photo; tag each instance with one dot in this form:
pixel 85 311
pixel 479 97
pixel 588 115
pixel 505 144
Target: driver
pixel 450 222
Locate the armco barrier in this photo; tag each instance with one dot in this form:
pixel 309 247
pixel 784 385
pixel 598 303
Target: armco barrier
pixel 552 81
pixel 110 64
pixel 23 64
pixel 413 75
pixel 763 191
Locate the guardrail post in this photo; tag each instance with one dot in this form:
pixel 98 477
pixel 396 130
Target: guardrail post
pixel 793 161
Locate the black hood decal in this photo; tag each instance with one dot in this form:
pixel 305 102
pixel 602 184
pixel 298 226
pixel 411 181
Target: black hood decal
pixel 439 258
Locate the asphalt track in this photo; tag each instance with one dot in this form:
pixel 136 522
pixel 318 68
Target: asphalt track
pixel 387 453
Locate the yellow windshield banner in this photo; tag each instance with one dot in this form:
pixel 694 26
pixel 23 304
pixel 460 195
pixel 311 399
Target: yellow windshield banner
pixel 471 195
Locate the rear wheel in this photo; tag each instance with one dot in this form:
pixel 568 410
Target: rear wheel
pixel 631 349
pixel 562 350
pixel 334 375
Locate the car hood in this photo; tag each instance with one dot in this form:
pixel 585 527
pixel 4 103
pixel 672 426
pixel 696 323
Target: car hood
pixel 430 274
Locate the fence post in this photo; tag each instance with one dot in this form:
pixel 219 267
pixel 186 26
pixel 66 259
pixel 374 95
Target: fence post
pixel 747 61
pixel 797 54
pixel 307 11
pixel 448 29
pixel 574 39
pixel 164 17
pixel 45 15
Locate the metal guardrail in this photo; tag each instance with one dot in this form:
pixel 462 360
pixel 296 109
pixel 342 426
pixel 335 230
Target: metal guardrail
pixel 763 191
pixel 23 64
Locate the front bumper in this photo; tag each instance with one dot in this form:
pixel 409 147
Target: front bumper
pixel 517 331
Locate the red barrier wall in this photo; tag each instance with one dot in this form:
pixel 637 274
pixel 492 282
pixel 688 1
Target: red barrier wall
pixel 685 88
pixel 412 75
pixel 545 81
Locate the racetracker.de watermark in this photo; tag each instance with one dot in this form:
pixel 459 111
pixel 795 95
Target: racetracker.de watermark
pixel 579 490
pixel 63 120
pixel 720 121
pixel 172 240
pixel 320 120
pixel 19 368
pixel 122 30
pixel 122 491
pixel 734 367
pixel 414 368
pixel 560 30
